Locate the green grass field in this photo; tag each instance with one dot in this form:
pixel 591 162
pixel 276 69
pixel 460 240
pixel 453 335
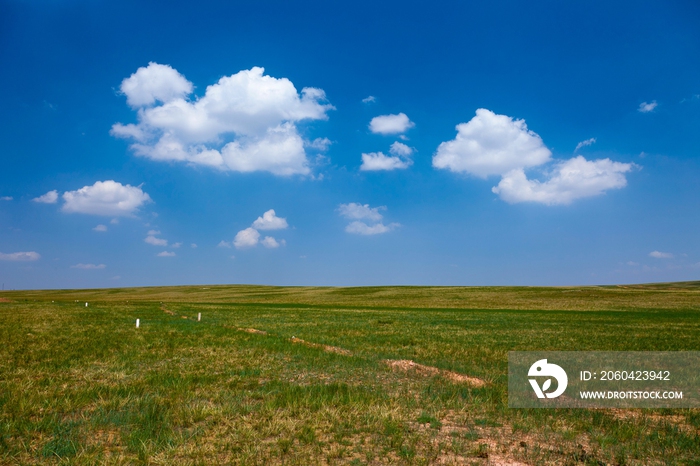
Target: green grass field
pixel 275 375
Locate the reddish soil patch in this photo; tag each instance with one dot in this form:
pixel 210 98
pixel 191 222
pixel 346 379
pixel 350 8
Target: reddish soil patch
pixel 330 349
pixel 406 365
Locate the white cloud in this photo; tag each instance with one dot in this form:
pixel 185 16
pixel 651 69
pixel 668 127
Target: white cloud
pixel 400 159
pixel 6 198
pixel 155 83
pixel 20 256
pixel 369 99
pixel 270 221
pixel 572 179
pixel 222 244
pixel 376 161
pixel 271 243
pixel 390 124
pixel 166 254
pixel 49 198
pixel 156 241
pixel 100 228
pixel 358 212
pixel 114 221
pixel 647 107
pixel 108 198
pixel 246 238
pixel 176 245
pixel 88 266
pixel 400 149
pixel 585 143
pixel 153 232
pixel 354 211
pixel 361 228
pixel 661 255
pixel 193 245
pixel 491 144
pixel 320 144
pixel 245 122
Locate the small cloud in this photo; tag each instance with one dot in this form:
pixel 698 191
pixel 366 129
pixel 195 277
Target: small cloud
pixel 270 221
pixel 153 232
pixel 166 254
pixel 100 228
pixel 6 198
pixel 361 228
pixel 116 277
pixel 222 244
pixel 320 144
pixel 400 159
pixel 645 107
pixel 49 198
pixel 246 238
pixel 108 198
pixel 176 245
pixel 88 266
pixel 155 241
pixel 390 124
pixel 359 212
pixel 193 246
pixel 661 255
pixel 20 256
pixel 587 142
pixel 114 221
pixel 271 243
pixel 369 99
pixel 355 211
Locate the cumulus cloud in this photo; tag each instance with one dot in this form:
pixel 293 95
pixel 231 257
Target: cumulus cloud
pixel 570 180
pixel 150 239
pixel 390 124
pixel 6 198
pixel 361 228
pixel 193 245
pixel 166 254
pixel 176 245
pixel 399 159
pixel 49 198
pixel 246 238
pixel 88 266
pixel 587 142
pixel 320 144
pixel 100 228
pixel 355 211
pixel 245 122
pixel 661 255
pixel 369 99
pixel 154 83
pixel 491 144
pixel 647 107
pixel 108 198
pixel 20 256
pixel 222 244
pixel 270 221
pixel 366 219
pixel 271 243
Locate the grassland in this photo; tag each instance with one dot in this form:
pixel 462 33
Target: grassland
pixel 275 375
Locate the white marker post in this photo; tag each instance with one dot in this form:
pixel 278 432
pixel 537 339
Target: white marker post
pixel 85 304
pixel 199 317
pixel 138 321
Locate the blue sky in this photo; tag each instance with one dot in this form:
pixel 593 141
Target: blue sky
pixel 318 143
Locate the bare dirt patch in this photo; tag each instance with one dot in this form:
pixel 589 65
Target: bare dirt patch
pixel 5 300
pixel 406 365
pixel 253 330
pixel 328 348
